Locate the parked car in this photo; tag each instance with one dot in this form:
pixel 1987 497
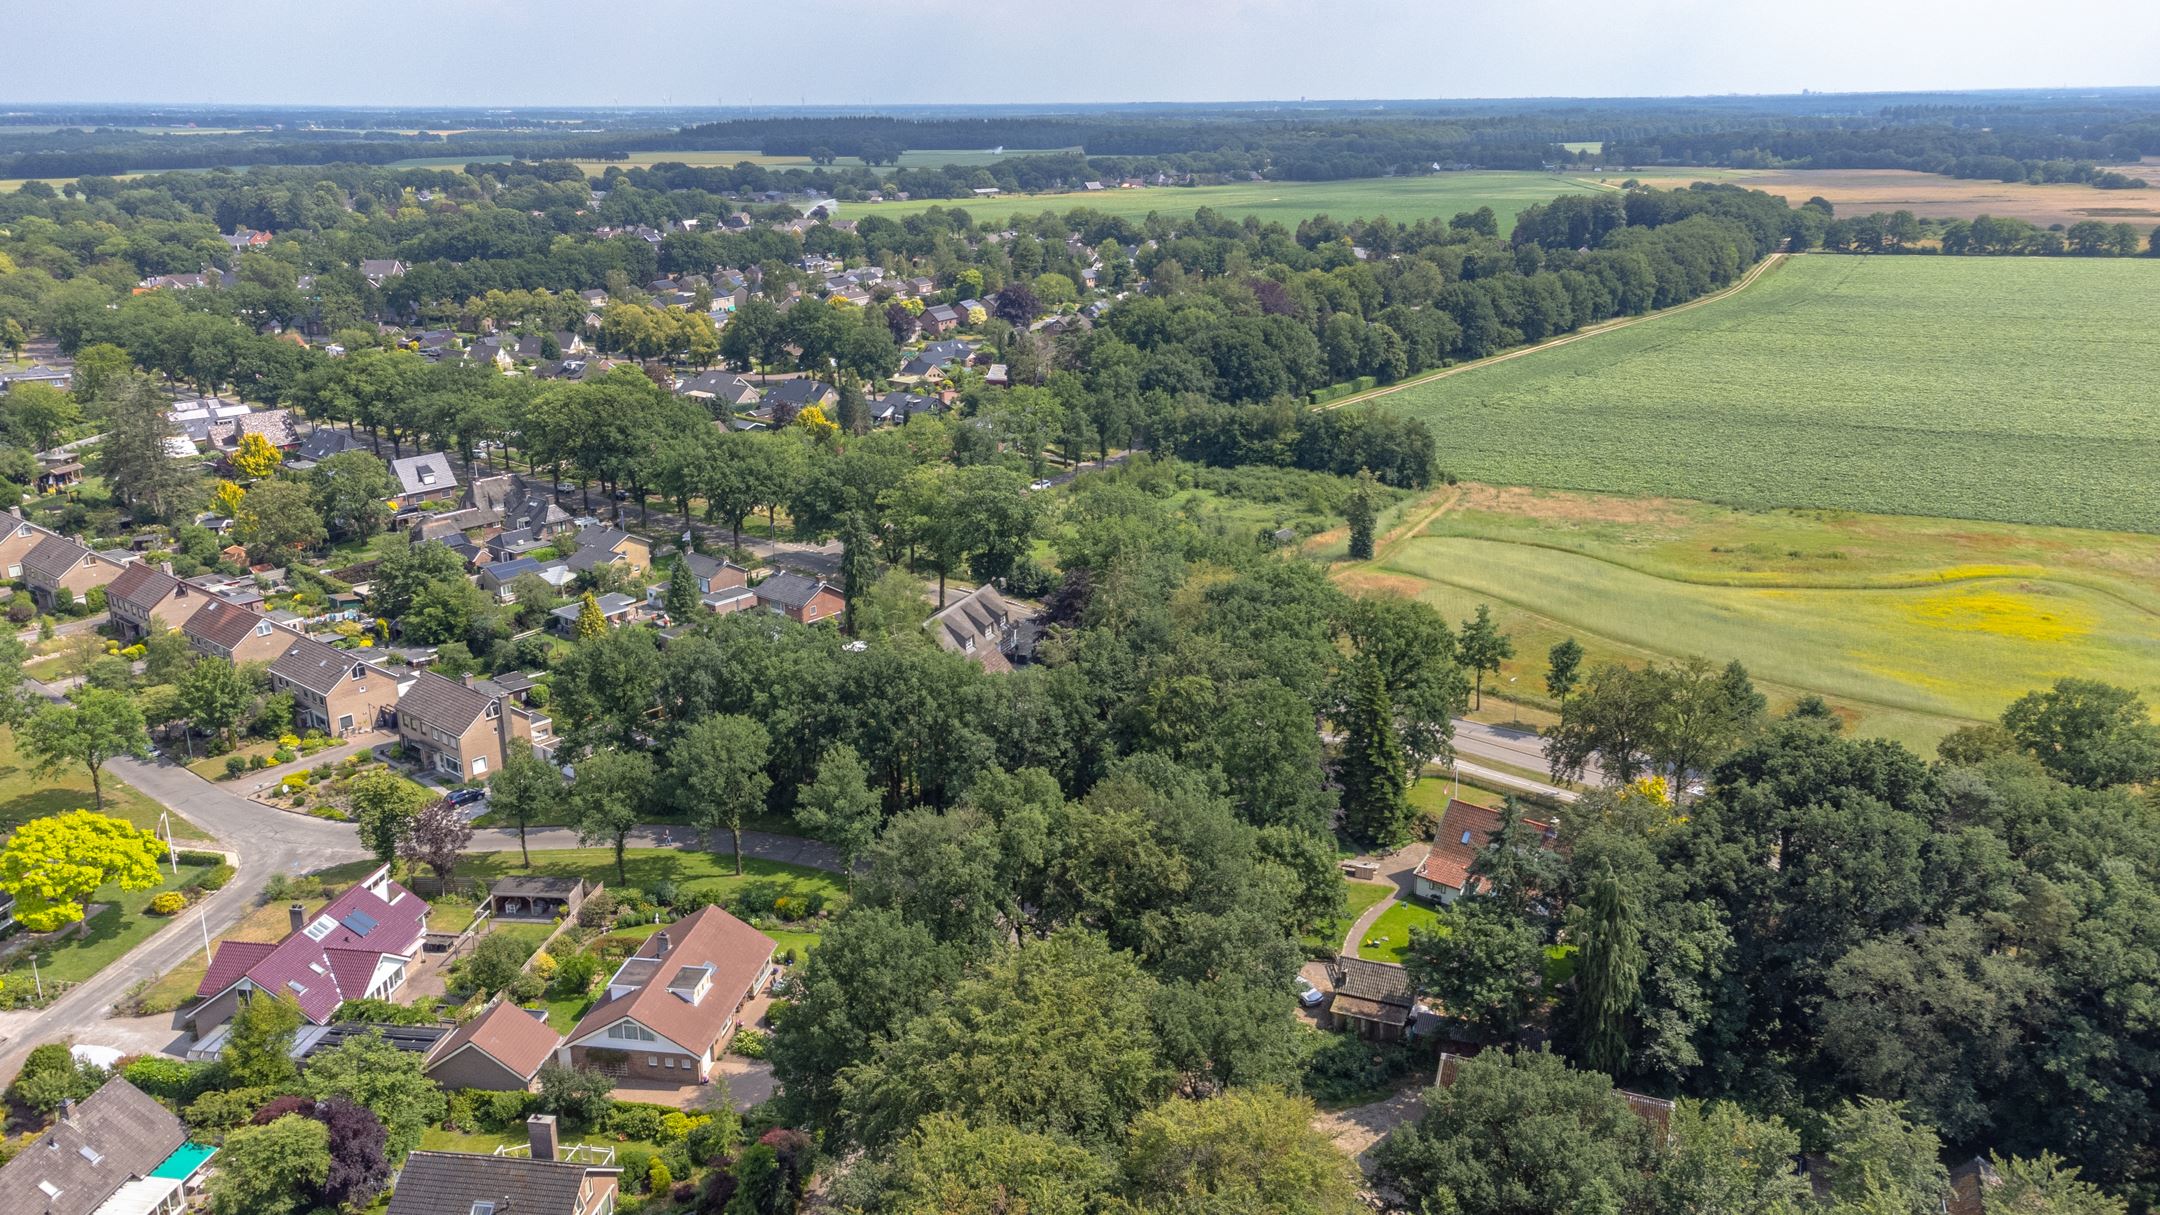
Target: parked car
pixel 466 797
pixel 1307 994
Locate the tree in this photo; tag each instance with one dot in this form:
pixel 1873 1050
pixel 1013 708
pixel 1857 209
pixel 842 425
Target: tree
pixel 1883 1164
pixel 683 599
pixel 384 804
pixel 523 789
pixel 1613 721
pixel 1482 963
pixel 369 1071
pixel 606 798
pixel 1362 514
pixel 437 837
pixel 279 517
pixel 2088 733
pixel 1719 1160
pixel 718 766
pixel 578 1097
pixel 255 458
pixel 1375 806
pixel 1520 1133
pixel 352 492
pixel 51 1075
pixel 52 865
pixel 1482 647
pixel 38 413
pixel 858 563
pixel 495 964
pixel 1563 666
pixel 1704 713
pixel 1250 1150
pixel 2042 1186
pixel 872 971
pixel 590 622
pixel 216 696
pixel 133 456
pixel 840 807
pixel 275 1169
pixel 258 1050
pixel 359 1164
pixel 947 1167
pixel 99 725
pixel 1608 973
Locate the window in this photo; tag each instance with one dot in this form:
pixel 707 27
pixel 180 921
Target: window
pixel 344 723
pixel 483 1208
pixel 479 765
pixel 263 629
pixel 630 1031
pixel 445 763
pixel 652 1060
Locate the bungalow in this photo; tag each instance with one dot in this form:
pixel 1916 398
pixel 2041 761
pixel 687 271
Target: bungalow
pixel 496 576
pixel 35 373
pixel 359 946
pixel 146 600
pixel 791 397
pixel 421 478
pixel 616 608
pixel 324 442
pixel 116 1150
pixel 1444 875
pixel 896 407
pixel 721 390
pixel 976 625
pixel 378 271
pixel 500 1050
pixel 58 564
pixel 235 633
pixel 1374 999
pixel 597 546
pixel 671 1008
pixel 274 425
pixel 800 598
pixel 460 728
pixel 455 1183
pixel 333 691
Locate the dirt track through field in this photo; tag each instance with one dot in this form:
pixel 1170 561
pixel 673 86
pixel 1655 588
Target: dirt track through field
pixel 1761 268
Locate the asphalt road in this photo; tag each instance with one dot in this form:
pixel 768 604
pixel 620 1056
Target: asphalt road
pixel 1517 748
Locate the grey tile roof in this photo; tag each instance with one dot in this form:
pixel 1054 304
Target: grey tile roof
pixel 789 590
pixel 53 556
pixel 141 586
pixel 115 1135
pixel 424 474
pixel 222 624
pixel 449 1183
pixel 445 703
pixel 314 666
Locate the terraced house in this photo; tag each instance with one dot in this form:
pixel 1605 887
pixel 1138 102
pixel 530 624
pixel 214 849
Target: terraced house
pixel 221 629
pixel 333 691
pixel 461 728
pixel 58 564
pixel 145 600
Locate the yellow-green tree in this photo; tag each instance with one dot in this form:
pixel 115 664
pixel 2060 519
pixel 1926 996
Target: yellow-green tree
pixel 590 623
pixel 255 457
pixel 814 423
pixel 226 497
pixel 52 865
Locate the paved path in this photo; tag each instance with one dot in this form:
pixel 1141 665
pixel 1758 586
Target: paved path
pixel 1399 870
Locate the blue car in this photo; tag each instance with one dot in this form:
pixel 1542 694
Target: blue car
pixel 466 797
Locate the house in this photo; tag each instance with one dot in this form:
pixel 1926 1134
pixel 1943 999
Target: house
pixel 20 537
pixel 274 425
pixel 723 586
pixel 790 397
pixel 378 271
pixel 896 407
pixel 800 598
pixel 976 625
pixel 324 442
pixel 421 478
pixel 722 391
pixel 536 897
pixel 1374 999
pixel 35 373
pixel 671 1008
pixel 1444 874
pixel 237 634
pixel 455 1183
pixel 516 542
pixel 461 727
pixel 500 1050
pixel 496 576
pixel 116 1150
pixel 616 608
pixel 243 238
pixel 941 318
pixel 597 546
pixel 145 600
pixel 58 564
pixel 333 691
pixel 359 946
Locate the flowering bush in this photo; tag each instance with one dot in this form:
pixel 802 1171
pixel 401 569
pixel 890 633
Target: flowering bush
pixel 171 902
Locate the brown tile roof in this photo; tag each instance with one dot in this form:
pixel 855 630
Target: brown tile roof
pixel 1464 831
pixel 53 556
pixel 224 625
pixel 116 1135
pixel 444 703
pixel 450 1183
pixel 314 666
pixel 141 586
pixel 509 1035
pixel 738 955
pixel 1376 991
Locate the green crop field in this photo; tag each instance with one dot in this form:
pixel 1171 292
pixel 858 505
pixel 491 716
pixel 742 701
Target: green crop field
pixel 1909 626
pixel 2012 389
pixel 1438 196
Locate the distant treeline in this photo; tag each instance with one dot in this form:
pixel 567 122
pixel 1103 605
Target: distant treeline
pixel 2039 156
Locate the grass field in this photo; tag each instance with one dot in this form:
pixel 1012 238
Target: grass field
pixel 1909 626
pixel 1357 897
pixel 920 158
pixel 1438 196
pixel 118 923
pixel 2008 389
pixel 1927 195
pixel 26 794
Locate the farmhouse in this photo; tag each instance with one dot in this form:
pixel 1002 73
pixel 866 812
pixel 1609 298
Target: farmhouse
pixel 1444 875
pixel 670 1009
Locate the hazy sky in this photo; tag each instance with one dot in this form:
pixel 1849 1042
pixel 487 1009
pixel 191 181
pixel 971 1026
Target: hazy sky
pixel 705 52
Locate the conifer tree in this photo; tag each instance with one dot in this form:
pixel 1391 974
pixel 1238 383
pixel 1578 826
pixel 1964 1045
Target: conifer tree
pixel 1371 772
pixel 1362 514
pixel 1608 974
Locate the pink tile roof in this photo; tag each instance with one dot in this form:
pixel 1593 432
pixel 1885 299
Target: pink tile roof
pixel 322 974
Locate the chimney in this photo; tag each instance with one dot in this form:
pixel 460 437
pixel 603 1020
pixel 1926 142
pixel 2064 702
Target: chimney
pixel 298 912
pixel 540 1133
pixel 466 678
pixel 67 1110
pixel 662 938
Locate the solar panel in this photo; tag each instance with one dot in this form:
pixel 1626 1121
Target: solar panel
pixel 360 922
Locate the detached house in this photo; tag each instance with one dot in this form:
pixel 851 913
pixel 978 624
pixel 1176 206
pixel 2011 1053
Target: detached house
pixel 57 564
pixel 723 586
pixel 1372 999
pixel 976 625
pixel 461 727
pixel 236 634
pixel 358 946
pixel 145 600
pixel 115 1151
pixel 538 1183
pixel 500 1050
pixel 421 478
pixel 378 271
pixel 1444 875
pixel 597 546
pixel 791 397
pixel 670 1009
pixel 324 442
pixel 800 598
pixel 333 691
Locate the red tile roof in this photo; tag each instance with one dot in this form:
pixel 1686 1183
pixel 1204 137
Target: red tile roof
pixel 738 955
pixel 509 1035
pixel 333 956
pixel 1464 832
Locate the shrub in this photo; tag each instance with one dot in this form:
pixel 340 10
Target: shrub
pixel 635 1120
pixel 683 1193
pixel 173 1081
pixel 1344 1067
pixel 574 973
pixel 171 902
pixel 288 741
pixel 597 911
pixel 749 1043
pixel 676 1126
pixel 526 988
pixel 543 965
pixel 212 1114
pixel 462 1116
pixel 657 1178
pixel 193 857
pixel 235 765
pixel 495 962
pixel 258 762
pixel 283 755
pixel 578 1097
pixel 636 1165
pixel 214 878
pixel 503 1112
pixel 776 1013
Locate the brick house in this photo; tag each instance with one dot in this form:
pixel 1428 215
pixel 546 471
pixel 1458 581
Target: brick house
pixel 538 1183
pixel 460 728
pixel 57 563
pixel 800 598
pixel 333 691
pixel 22 536
pixel 145 600
pixel 237 634
pixel 597 546
pixel 1444 874
pixel 500 1050
pixel 671 1008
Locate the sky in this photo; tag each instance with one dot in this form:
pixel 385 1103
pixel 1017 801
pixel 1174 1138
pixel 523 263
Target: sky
pixel 892 52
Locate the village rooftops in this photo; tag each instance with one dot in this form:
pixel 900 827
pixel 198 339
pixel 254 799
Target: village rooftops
pixel 424 475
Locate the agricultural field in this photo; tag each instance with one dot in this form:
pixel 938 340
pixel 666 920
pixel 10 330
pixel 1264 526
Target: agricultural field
pixel 1438 196
pixel 922 158
pixel 1909 626
pixel 1927 195
pixel 2010 389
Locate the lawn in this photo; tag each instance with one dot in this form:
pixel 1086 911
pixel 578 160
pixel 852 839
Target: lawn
pixel 1389 937
pixel 269 922
pixel 1404 199
pixel 1909 626
pixel 690 871
pixel 1357 898
pixel 26 794
pixel 2007 389
pixel 118 928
